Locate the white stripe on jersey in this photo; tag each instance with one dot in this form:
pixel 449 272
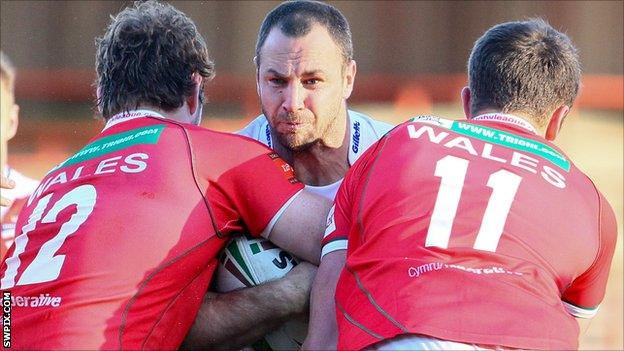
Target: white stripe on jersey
pixel 580 312
pixel 334 246
pixel 267 231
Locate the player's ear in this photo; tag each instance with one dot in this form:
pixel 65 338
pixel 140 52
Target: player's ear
pixel 556 121
pixel 349 78
pixel 194 100
pixel 465 98
pixel 13 122
pixel 257 63
pixel 98 97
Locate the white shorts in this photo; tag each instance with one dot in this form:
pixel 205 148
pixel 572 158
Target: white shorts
pixel 409 342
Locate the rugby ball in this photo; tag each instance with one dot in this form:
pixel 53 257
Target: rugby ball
pixel 247 262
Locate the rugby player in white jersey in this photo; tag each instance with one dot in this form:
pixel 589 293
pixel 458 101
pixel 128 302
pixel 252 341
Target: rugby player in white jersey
pixel 305 73
pixel 15 187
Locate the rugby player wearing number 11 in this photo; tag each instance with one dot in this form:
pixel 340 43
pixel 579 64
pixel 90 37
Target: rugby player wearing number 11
pixel 118 244
pixel 471 234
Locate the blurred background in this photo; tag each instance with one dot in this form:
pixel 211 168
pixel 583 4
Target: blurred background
pixel 411 60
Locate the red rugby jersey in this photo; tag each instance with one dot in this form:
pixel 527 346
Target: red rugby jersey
pixel 472 231
pixel 118 243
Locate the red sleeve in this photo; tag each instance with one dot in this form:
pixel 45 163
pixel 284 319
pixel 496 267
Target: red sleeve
pixel 587 291
pixel 338 223
pixel 248 184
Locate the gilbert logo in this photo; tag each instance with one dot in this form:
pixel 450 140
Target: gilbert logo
pixel 268 136
pixel 356 137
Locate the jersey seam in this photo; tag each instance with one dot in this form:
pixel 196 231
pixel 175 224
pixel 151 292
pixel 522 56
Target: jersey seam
pixel 597 257
pixel 379 309
pixel 358 324
pixel 599 249
pixel 163 266
pixel 365 187
pixel 197 184
pixel 167 308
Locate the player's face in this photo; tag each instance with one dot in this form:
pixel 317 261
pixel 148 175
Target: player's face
pixel 8 119
pixel 303 85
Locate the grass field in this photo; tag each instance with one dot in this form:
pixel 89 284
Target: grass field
pixel 592 139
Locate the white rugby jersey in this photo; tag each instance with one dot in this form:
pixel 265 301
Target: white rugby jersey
pixel 364 132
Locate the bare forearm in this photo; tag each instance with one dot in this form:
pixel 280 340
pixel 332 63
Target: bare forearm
pixel 323 331
pixel 222 323
pixel 233 320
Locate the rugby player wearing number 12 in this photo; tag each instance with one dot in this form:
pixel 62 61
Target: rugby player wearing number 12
pixel 118 244
pixel 471 234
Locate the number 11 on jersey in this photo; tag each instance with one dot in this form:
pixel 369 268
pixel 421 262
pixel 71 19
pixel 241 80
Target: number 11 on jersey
pixel 452 170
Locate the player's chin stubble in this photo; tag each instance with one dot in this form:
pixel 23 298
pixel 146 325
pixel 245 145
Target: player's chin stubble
pixel 297 142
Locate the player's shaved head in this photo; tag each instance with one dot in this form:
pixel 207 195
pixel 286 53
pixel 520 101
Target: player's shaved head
pixel 296 18
pixel 147 57
pixel 525 66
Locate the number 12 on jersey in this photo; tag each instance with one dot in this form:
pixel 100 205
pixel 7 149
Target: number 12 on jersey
pixel 46 266
pixel 452 170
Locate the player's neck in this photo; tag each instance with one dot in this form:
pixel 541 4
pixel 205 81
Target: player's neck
pixel 323 163
pixel 536 128
pixel 180 115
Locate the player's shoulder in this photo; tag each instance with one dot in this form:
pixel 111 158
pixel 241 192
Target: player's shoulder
pixel 253 128
pixel 432 120
pixel 365 131
pixel 216 152
pixel 225 140
pixel 258 129
pixel 416 122
pixel 369 125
